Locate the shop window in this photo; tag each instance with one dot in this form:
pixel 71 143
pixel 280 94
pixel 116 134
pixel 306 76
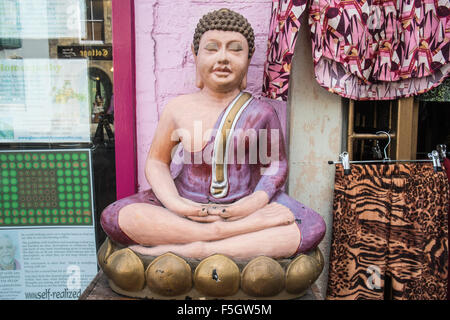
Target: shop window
pixel 57 146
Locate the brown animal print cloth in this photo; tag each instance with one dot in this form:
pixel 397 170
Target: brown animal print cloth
pixel 389 220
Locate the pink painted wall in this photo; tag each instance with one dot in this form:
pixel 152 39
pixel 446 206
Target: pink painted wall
pixel 164 62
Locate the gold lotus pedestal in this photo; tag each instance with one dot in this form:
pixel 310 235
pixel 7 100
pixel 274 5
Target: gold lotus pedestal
pixel 216 277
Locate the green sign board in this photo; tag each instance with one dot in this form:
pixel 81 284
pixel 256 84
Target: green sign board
pixel 46 188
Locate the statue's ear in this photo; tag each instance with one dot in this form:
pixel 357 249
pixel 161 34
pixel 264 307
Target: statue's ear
pixel 243 84
pixel 193 53
pixel 198 80
pixel 253 51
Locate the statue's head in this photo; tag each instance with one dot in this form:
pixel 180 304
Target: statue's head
pixel 223 45
pixel 225 20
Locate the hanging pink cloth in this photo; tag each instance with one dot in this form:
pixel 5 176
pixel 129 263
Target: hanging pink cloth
pixel 363 49
pixel 380 49
pixel 284 26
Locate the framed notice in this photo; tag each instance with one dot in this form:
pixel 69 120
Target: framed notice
pixel 47 230
pixel 42 19
pixel 44 100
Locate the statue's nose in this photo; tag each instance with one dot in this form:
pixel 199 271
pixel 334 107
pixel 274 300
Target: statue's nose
pixel 223 56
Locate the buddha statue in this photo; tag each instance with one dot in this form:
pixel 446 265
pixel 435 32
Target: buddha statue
pixel 226 206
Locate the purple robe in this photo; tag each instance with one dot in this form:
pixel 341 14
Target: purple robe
pixel 244 175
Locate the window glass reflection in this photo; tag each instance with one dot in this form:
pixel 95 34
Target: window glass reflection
pixel 56 83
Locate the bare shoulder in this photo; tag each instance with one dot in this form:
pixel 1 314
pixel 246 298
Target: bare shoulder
pixel 180 104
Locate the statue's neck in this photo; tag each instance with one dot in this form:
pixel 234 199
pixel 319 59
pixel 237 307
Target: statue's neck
pixel 220 97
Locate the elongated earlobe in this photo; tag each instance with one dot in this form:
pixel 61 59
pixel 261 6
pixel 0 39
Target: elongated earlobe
pixel 243 84
pixel 198 80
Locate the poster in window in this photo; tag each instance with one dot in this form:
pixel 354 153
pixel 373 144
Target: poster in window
pixel 47 227
pixel 44 100
pixel 42 19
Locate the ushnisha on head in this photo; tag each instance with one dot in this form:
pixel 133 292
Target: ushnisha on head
pixel 225 20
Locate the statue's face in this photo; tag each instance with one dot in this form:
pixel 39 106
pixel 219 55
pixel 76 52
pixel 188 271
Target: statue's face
pixel 7 251
pixel 222 60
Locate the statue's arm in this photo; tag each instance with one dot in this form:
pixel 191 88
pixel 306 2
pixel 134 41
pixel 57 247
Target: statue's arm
pixel 274 166
pixel 157 166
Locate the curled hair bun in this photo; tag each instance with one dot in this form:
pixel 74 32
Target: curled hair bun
pixel 226 20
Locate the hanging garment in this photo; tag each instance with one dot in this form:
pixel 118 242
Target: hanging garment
pixel 284 26
pixel 377 50
pixel 389 220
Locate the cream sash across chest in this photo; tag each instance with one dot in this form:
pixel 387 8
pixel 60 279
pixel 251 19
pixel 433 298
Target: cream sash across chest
pixel 219 180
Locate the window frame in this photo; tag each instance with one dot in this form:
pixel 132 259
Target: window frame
pixel 90 24
pixel 123 26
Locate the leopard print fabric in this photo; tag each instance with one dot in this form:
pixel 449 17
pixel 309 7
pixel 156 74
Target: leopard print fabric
pixel 389 220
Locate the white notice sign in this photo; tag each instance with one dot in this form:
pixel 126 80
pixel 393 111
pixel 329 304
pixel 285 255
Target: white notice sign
pixel 46 264
pixel 42 19
pixel 44 100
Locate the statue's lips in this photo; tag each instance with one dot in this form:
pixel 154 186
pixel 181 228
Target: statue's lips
pixel 222 72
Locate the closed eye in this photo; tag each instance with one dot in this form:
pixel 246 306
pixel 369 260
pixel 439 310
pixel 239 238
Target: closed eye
pixel 235 46
pixel 211 46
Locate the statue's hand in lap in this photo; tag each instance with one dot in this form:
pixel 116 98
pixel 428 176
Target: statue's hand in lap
pixel 199 212
pixel 241 208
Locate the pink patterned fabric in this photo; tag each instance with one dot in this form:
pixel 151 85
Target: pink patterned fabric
pixel 363 49
pixel 380 49
pixel 284 26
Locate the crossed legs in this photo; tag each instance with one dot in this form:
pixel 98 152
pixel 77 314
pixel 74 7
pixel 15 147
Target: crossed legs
pixel 276 242
pixel 270 231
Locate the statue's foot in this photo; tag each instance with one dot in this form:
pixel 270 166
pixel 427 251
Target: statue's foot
pixel 192 250
pixel 273 215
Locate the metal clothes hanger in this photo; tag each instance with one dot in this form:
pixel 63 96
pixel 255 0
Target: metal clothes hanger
pixel 376 151
pixel 442 150
pixel 433 156
pixel 389 142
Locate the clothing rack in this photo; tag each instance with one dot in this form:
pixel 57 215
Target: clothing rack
pixel 434 157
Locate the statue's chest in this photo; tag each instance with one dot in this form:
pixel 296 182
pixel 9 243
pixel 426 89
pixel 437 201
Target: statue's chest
pixel 197 129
